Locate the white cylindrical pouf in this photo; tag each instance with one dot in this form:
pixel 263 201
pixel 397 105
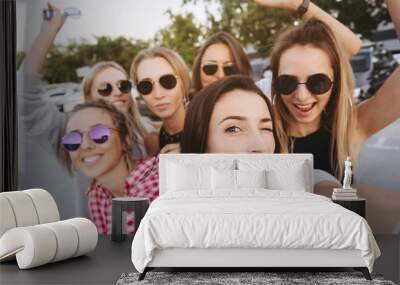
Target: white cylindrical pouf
pixel 45 205
pixel 67 239
pixel 7 218
pixel 23 208
pixel 87 234
pixel 34 246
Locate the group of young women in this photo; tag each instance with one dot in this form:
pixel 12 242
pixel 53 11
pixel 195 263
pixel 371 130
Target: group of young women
pixel 309 108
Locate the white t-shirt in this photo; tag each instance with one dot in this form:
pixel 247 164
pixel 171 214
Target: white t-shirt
pixel 265 85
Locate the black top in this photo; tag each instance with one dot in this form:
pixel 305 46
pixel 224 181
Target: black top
pixel 164 138
pixel 317 143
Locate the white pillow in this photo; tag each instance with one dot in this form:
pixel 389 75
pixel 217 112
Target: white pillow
pixel 293 180
pixel 223 179
pixel 280 174
pixel 182 177
pixel 236 179
pixel 251 178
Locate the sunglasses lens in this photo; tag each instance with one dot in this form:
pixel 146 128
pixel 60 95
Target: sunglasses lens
pixel 229 70
pixel 286 84
pixel 168 81
pixel 105 89
pixel 125 86
pixel 72 141
pixel 145 87
pixel 99 134
pixel 210 69
pixel 318 83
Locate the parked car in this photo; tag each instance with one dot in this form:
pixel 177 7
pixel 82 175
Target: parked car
pixel 362 67
pixel 387 36
pixel 143 109
pixel 64 95
pixel 371 66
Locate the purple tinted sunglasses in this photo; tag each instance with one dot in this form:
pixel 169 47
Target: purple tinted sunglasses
pixel 98 134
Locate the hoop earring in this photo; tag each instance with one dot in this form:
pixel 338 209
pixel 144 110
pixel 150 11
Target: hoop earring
pixel 273 99
pixel 350 100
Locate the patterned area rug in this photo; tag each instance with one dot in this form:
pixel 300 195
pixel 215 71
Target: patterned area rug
pixel 268 278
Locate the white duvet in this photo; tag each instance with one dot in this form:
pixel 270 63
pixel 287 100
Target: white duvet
pixel 253 218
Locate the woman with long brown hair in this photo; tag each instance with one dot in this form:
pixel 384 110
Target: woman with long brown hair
pixel 217 122
pixel 219 56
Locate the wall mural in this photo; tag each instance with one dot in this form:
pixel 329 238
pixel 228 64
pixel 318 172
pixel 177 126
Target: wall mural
pixel 100 96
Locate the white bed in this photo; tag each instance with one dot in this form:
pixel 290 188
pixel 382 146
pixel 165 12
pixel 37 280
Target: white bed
pixel 201 219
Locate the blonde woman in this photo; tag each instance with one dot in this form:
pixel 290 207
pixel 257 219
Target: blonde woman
pixel 97 140
pixel 106 80
pixel 109 81
pixel 312 87
pixel 305 10
pixel 162 80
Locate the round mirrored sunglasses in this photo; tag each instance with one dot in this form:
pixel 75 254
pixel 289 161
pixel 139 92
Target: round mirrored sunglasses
pixel 99 134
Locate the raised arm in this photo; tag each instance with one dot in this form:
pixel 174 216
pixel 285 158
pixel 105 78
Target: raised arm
pixel 343 34
pixel 34 60
pixel 383 108
pixel 42 120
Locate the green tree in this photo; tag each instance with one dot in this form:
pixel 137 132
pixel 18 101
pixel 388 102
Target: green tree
pixel 362 16
pixel 62 61
pixel 20 58
pixel 183 35
pixel 259 27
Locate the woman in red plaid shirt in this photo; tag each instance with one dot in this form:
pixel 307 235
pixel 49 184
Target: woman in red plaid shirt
pixel 98 141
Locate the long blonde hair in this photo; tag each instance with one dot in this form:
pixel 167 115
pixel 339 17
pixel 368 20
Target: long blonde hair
pixel 339 115
pixel 133 112
pixel 173 58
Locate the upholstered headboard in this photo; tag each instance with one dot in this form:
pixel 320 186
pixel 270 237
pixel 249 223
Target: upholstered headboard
pixel 282 164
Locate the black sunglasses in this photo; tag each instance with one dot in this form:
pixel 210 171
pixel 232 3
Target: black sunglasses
pixel 317 84
pixel 210 68
pixel 105 89
pixel 167 81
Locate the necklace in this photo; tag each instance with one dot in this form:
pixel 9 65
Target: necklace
pixel 166 138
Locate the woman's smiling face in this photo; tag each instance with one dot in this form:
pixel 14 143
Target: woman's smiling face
pixel 95 159
pixel 303 61
pixel 240 123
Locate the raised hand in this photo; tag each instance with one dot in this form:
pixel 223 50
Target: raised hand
pixel 291 5
pixel 34 60
pixel 351 43
pixel 56 22
pixel 171 148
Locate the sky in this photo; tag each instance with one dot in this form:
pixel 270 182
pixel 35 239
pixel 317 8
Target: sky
pixel 138 19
